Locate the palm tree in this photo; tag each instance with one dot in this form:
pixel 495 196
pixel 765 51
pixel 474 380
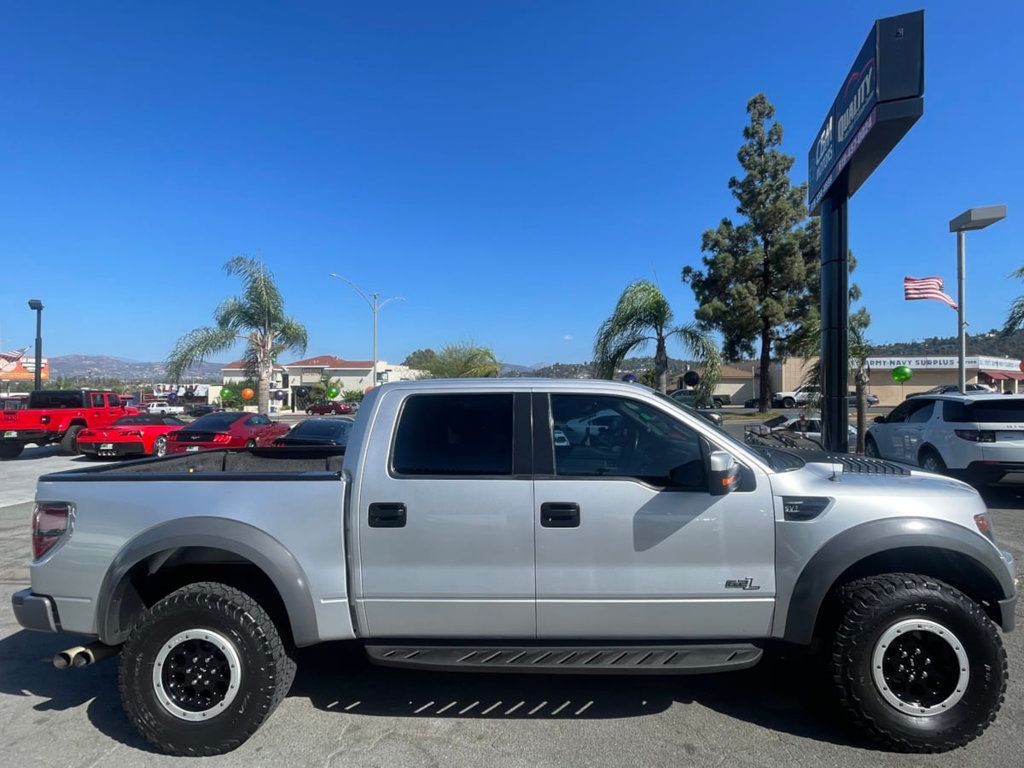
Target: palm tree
pixel 458 361
pixel 1015 320
pixel 256 317
pixel 643 315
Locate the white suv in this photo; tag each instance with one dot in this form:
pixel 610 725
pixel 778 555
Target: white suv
pixel 979 437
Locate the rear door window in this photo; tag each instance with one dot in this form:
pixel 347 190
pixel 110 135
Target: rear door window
pixel 454 435
pixel 922 412
pixel 97 400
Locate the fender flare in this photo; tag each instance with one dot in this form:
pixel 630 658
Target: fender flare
pixel 875 537
pixel 238 538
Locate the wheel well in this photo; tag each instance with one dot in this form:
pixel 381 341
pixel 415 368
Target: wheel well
pixel 956 569
pixel 156 576
pixel 927 448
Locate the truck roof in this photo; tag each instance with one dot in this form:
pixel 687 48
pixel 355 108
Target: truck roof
pixel 506 384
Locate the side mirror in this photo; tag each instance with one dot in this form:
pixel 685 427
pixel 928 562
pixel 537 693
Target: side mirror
pixel 879 419
pixel 723 474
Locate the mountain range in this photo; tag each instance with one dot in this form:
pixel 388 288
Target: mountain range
pixel 104 366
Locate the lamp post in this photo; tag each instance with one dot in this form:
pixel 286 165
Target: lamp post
pixel 972 218
pixel 376 304
pixel 37 305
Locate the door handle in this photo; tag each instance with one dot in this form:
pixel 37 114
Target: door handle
pixel 387 515
pixel 560 514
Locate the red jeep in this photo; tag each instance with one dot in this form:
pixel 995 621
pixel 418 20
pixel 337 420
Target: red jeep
pixel 57 416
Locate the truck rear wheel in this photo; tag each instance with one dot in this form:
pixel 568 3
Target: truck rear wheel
pixel 919 665
pixel 10 449
pixel 69 443
pixel 202 670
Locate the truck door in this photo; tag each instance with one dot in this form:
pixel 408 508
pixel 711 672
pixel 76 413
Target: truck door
pixel 625 551
pixel 445 517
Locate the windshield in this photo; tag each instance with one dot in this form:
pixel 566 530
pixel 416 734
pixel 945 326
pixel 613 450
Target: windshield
pixel 780 461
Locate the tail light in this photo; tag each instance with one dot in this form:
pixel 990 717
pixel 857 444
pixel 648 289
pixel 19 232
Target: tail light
pixel 222 438
pixel 976 435
pixel 50 521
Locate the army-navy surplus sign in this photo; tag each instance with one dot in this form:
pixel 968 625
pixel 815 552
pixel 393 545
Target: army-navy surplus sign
pixel 881 97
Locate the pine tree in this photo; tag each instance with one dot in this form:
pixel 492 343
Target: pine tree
pixel 759 276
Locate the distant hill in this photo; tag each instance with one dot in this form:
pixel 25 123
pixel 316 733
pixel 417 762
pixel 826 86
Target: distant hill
pixel 991 343
pixel 129 371
pixel 635 365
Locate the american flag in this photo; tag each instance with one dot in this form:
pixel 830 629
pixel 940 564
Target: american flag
pixel 926 288
pixel 14 355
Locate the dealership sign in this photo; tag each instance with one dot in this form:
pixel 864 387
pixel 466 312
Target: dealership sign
pixel 878 101
pixel 23 369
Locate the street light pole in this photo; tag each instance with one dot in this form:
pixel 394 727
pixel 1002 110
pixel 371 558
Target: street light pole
pixel 972 218
pixel 37 305
pixel 375 303
pixel 961 310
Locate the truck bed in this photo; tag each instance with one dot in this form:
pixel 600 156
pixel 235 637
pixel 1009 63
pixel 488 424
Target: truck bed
pixel 281 463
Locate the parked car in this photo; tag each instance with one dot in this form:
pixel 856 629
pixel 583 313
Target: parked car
pixel 201 409
pixel 331 406
pixel 163 407
pixel 328 431
pixel 57 416
pixel 798 427
pixel 944 389
pixel 690 398
pixel 869 399
pixel 799 396
pixel 144 434
pixel 979 437
pixel 453 534
pixel 227 429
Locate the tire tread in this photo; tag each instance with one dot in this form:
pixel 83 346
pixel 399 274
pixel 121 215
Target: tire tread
pixel 250 615
pixel 860 598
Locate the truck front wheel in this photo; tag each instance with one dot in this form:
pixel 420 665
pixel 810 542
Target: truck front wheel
pixel 202 670
pixel 918 664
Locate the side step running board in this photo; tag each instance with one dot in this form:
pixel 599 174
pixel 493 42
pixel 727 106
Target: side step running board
pixel 589 659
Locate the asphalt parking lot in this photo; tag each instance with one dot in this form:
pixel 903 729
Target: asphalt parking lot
pixel 342 711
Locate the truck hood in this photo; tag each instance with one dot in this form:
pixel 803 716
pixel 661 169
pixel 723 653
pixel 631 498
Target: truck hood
pixel 875 485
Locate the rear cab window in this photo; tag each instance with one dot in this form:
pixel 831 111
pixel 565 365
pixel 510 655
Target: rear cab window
pixel 454 435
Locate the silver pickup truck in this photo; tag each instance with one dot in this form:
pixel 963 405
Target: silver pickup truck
pixel 523 526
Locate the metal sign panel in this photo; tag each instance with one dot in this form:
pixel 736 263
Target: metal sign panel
pixel 888 71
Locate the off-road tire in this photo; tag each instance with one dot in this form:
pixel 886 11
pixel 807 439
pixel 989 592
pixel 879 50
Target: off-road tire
pixel 267 670
pixel 69 443
pixel 871 448
pixel 10 449
pixel 869 607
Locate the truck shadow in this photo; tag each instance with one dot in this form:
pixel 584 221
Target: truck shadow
pixel 26 670
pixel 781 694
pixel 1009 494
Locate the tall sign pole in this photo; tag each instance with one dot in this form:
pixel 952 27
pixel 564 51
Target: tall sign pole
pixel 961 311
pixel 878 102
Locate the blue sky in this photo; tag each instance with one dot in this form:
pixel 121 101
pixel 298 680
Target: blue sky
pixel 507 167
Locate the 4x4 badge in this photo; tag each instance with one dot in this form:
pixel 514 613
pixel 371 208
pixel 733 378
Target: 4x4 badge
pixel 747 584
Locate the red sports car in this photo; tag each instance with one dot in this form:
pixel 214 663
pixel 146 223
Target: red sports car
pixel 229 429
pixel 142 434
pixel 331 406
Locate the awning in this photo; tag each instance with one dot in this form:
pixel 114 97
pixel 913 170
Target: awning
pixel 1004 375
